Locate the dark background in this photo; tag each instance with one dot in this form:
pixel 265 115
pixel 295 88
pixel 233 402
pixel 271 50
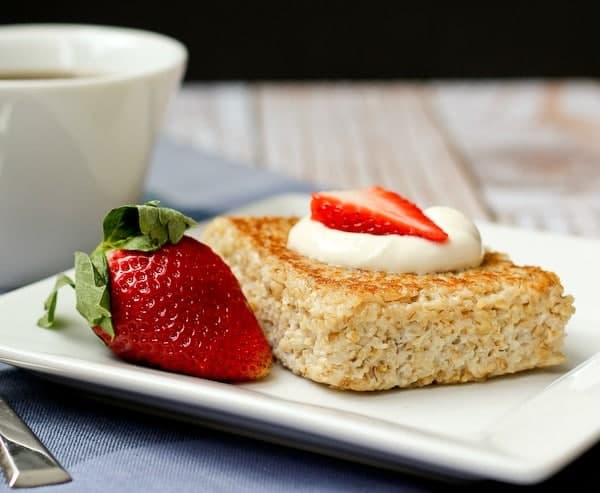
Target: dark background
pixel 354 40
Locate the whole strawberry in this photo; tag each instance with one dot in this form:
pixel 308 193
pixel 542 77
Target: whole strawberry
pixel 160 298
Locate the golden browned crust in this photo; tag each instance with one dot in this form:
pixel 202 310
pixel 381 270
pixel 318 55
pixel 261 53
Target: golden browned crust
pixel 364 330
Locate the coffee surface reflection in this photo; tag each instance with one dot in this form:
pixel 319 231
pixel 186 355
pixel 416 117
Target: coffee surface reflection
pixel 42 75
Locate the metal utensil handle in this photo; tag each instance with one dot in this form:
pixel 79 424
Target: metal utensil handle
pixel 24 460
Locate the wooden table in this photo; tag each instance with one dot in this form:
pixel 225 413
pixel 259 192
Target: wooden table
pixel 525 153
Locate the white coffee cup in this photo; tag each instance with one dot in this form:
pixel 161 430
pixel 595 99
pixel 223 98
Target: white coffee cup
pixel 73 147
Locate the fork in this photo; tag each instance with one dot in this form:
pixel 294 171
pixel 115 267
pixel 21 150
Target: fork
pixel 23 458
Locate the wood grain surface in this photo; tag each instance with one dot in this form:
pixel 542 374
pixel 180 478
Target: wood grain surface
pixel 524 153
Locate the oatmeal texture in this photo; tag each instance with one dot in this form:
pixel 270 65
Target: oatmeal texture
pixel 362 330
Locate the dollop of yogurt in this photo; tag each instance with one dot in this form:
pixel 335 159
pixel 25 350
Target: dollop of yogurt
pixel 393 253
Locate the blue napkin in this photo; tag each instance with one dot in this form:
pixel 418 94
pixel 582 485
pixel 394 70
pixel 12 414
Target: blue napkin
pixel 109 448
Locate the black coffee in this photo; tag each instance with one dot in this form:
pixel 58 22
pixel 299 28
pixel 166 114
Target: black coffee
pixel 39 74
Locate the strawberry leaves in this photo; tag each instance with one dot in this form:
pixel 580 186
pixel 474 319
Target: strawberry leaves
pixel 144 228
pixel 92 290
pixel 47 321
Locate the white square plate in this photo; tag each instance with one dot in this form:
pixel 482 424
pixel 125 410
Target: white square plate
pixel 521 428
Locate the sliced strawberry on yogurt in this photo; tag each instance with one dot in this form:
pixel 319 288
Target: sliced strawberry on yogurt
pixel 375 211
